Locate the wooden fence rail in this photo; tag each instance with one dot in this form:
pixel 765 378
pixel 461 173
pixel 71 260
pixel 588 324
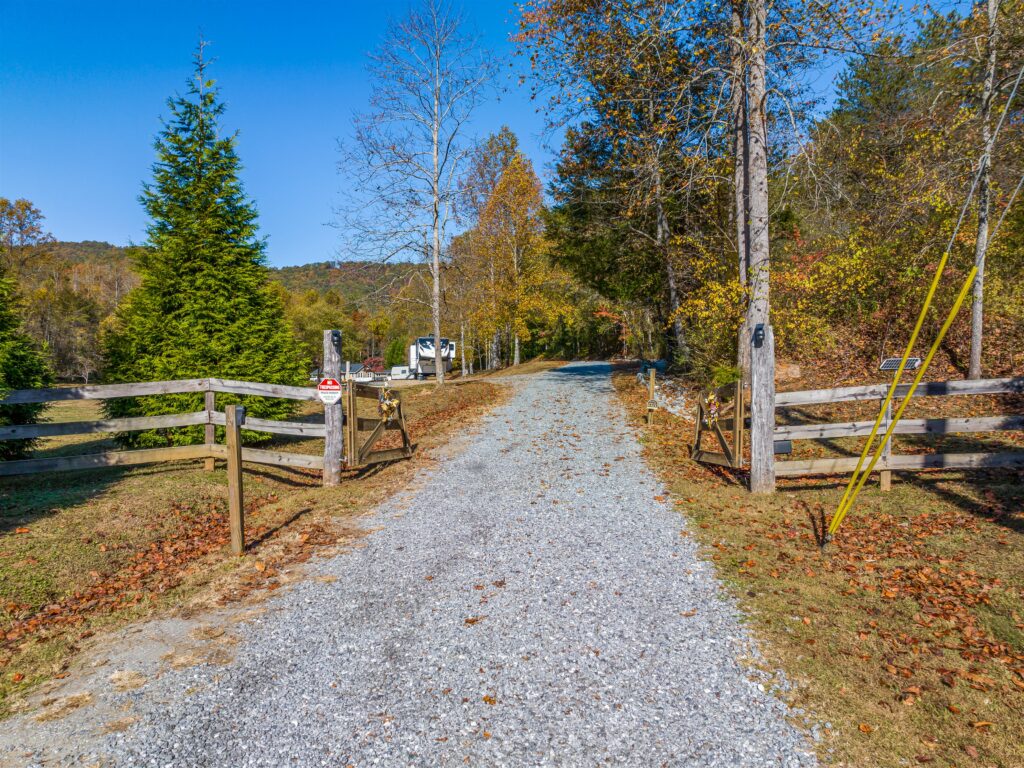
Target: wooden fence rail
pixel 728 414
pixel 339 429
pixel 1009 385
pixel 209 417
pixel 889 461
pixel 354 454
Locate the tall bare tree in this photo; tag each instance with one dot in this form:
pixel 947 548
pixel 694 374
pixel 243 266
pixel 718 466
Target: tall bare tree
pixel 738 110
pixel 427 77
pixel 758 321
pixel 984 186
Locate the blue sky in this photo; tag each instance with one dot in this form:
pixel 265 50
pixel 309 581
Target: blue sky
pixel 83 86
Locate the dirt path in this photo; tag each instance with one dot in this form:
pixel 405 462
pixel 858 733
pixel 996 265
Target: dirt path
pixel 531 602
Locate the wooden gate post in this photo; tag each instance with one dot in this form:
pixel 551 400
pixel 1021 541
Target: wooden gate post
pixel 210 431
pixel 739 424
pixel 650 398
pixel 234 417
pixel 333 415
pixel 762 408
pixel 351 426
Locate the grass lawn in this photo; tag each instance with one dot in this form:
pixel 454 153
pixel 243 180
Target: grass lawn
pixel 906 636
pixel 81 551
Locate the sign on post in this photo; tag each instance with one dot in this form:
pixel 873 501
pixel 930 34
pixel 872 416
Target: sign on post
pixel 329 391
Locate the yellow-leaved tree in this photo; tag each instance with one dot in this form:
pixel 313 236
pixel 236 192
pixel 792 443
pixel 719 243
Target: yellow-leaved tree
pixel 511 232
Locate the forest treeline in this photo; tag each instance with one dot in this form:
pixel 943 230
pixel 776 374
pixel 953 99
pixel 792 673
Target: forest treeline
pixel 865 185
pixel 68 291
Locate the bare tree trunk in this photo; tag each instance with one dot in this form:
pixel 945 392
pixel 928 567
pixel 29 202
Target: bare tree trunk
pixel 462 347
pixel 762 343
pixel 673 287
pixel 984 194
pixel 435 298
pixel 515 330
pixel 662 234
pixel 742 161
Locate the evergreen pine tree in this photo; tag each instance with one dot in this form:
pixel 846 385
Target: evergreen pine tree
pixel 204 306
pixel 22 366
pixel 397 352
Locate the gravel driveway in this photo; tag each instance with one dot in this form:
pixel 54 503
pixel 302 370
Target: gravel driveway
pixel 532 604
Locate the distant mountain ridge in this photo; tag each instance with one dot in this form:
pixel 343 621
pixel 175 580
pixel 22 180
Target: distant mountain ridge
pixel 353 281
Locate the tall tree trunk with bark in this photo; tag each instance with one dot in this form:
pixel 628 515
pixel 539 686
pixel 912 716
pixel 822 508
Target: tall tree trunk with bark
pixel 515 330
pixel 984 193
pixel 494 350
pixel 761 339
pixel 741 164
pixel 662 234
pixel 462 348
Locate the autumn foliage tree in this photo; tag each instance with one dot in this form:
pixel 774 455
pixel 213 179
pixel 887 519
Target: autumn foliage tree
pixel 504 285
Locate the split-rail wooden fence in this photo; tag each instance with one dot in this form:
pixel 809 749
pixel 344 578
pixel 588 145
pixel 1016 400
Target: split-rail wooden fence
pixel 344 446
pixel 723 413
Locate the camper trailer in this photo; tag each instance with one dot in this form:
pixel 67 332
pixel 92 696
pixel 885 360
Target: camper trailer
pixel 421 356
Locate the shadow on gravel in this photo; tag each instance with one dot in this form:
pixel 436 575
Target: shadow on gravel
pixel 587 376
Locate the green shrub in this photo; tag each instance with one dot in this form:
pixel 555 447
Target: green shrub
pixel 22 366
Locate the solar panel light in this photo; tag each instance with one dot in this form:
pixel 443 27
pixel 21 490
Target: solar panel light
pixel 893 363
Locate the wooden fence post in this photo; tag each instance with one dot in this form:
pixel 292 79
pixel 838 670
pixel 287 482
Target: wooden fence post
pixel 351 426
pixel 333 414
pixel 885 476
pixel 234 417
pixel 210 431
pixel 762 408
pixel 650 398
pixel 739 424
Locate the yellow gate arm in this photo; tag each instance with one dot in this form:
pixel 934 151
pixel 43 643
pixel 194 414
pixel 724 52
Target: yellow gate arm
pixel 841 509
pixel 837 519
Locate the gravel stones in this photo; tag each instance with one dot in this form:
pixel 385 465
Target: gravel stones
pixel 532 605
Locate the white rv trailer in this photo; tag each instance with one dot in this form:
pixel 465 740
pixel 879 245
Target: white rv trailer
pixel 421 356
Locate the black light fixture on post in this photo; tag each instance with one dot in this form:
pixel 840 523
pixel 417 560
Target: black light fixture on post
pixel 758 336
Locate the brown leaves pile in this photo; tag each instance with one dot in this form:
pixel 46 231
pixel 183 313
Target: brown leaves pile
pixel 197 533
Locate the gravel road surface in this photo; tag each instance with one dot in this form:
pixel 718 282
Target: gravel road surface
pixel 528 603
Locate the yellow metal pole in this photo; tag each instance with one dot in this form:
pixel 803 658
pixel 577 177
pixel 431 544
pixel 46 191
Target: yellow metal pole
pixel 841 509
pixel 837 519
